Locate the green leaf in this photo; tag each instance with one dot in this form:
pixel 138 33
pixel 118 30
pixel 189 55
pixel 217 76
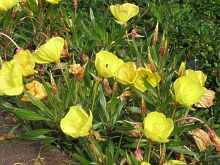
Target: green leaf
pixel 28 115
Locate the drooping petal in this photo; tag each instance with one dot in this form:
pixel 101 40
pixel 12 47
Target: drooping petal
pixel 26 60
pixel 50 51
pixel 11 79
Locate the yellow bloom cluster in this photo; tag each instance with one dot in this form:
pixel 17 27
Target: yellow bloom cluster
pixel 23 64
pixel 109 65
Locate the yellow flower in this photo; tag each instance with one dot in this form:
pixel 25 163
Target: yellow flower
pixel 50 51
pixel 11 82
pixel 187 91
pixel 7 4
pixel 174 162
pixel 76 123
pixel 145 163
pixel 126 73
pixel 36 89
pixel 124 12
pixel 141 77
pixel 53 1
pixel 197 76
pixel 107 64
pixel 145 74
pixel 153 78
pixel 25 59
pixel 157 127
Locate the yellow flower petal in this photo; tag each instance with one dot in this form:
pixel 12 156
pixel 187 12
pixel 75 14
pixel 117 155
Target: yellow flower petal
pixel 26 60
pixel 145 163
pixel 153 78
pixel 124 12
pixel 188 92
pixel 36 89
pixel 53 1
pixel 11 79
pixel 197 76
pixel 141 77
pixel 7 4
pixel 174 162
pixel 107 64
pixel 157 127
pixel 76 123
pixel 50 51
pixel 126 73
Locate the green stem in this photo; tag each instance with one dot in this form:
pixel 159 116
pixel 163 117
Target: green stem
pixel 149 151
pixel 162 153
pixel 95 90
pixel 187 112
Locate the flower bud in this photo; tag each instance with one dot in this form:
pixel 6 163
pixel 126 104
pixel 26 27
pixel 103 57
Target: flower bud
pixel 138 153
pixel 155 35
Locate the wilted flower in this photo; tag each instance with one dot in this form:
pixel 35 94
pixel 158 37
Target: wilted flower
pixel 206 100
pixel 36 89
pixel 6 5
pixel 126 73
pixel 157 127
pixel 201 138
pixel 77 70
pixel 175 162
pixel 124 12
pixel 53 1
pixel 215 139
pixel 11 79
pixel 26 60
pixel 188 92
pixel 145 163
pixel 50 51
pixel 76 123
pixel 107 64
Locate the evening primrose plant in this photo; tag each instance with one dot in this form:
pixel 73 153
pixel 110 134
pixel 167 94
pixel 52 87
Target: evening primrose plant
pixel 79 84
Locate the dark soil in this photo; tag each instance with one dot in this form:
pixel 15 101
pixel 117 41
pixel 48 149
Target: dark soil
pixel 19 152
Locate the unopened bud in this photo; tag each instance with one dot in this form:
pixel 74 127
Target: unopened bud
pixel 155 35
pixel 107 88
pixel 182 69
pixel 151 62
pixel 138 153
pixel 163 46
